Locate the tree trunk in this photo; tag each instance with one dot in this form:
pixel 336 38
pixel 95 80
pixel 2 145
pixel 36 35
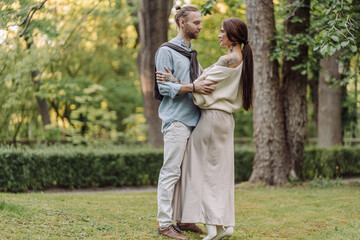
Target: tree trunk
pixel 44 111
pixel 293 89
pixel 153 26
pixel 41 102
pixel 133 13
pixel 346 111
pixel 355 119
pixel 329 117
pixel 314 93
pixel 270 162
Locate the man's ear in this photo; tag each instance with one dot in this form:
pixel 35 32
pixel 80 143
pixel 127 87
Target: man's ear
pixel 182 22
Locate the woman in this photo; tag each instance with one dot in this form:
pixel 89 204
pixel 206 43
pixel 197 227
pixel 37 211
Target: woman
pixel 205 192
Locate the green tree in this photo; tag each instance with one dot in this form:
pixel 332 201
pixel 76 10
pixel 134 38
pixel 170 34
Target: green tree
pixel 83 55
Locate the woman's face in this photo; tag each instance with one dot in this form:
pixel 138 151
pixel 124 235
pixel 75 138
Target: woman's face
pixel 224 41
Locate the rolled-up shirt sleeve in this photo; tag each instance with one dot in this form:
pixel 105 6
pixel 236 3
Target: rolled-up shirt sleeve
pixel 164 59
pixel 169 89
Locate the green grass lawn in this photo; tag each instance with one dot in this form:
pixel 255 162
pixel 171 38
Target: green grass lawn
pixel 261 213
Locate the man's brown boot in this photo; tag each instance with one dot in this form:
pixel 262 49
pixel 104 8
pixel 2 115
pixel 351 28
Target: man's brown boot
pixel 189 227
pixel 172 232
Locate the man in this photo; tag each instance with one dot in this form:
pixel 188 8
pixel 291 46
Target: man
pixel 179 115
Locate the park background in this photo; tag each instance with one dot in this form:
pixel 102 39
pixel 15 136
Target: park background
pixel 77 112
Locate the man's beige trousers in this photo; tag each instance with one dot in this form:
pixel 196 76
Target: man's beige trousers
pixel 175 140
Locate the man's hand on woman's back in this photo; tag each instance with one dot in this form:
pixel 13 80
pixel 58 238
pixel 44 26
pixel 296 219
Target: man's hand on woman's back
pixel 204 87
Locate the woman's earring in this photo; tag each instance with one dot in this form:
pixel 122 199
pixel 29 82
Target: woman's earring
pixel 232 46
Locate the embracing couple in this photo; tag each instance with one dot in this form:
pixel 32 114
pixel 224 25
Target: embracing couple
pixel 196 181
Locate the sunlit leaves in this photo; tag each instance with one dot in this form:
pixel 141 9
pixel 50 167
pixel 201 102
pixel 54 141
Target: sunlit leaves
pixel 206 8
pixel 333 27
pixel 336 27
pixel 73 77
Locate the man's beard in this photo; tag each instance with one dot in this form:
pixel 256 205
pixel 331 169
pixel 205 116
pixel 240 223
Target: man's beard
pixel 191 35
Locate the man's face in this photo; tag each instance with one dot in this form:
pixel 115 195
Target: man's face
pixel 192 26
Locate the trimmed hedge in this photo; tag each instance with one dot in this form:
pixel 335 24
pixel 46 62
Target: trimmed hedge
pixel 38 169
pixel 330 162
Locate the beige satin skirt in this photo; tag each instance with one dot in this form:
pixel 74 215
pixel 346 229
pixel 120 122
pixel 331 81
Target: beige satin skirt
pixel 205 191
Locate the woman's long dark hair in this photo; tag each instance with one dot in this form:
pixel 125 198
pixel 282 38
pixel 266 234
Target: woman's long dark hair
pixel 237 31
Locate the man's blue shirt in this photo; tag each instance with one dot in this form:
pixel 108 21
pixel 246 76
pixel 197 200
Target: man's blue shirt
pixel 175 107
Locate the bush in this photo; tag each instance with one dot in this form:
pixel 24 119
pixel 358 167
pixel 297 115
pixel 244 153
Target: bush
pixel 39 169
pixel 243 164
pixel 77 168
pixel 330 162
pixel 323 163
pixel 24 169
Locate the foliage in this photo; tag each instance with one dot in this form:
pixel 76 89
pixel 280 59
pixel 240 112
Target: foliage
pixel 330 162
pixel 206 8
pixel 243 124
pixel 79 57
pixel 17 95
pixel 209 6
pixel 243 158
pixel 325 183
pixel 333 27
pixel 69 167
pixel 260 213
pixel 135 127
pixel 336 26
pixel 78 168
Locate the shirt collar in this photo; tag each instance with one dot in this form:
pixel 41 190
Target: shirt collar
pixel 180 41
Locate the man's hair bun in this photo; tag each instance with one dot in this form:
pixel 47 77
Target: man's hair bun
pixel 183 12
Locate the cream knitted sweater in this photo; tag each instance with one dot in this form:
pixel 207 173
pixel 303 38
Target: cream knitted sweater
pixel 228 94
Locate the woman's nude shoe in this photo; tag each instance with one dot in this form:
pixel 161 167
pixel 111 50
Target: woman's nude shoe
pixel 224 232
pixel 211 231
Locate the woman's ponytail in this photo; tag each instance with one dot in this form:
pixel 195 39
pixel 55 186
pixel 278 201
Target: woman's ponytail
pixel 247 76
